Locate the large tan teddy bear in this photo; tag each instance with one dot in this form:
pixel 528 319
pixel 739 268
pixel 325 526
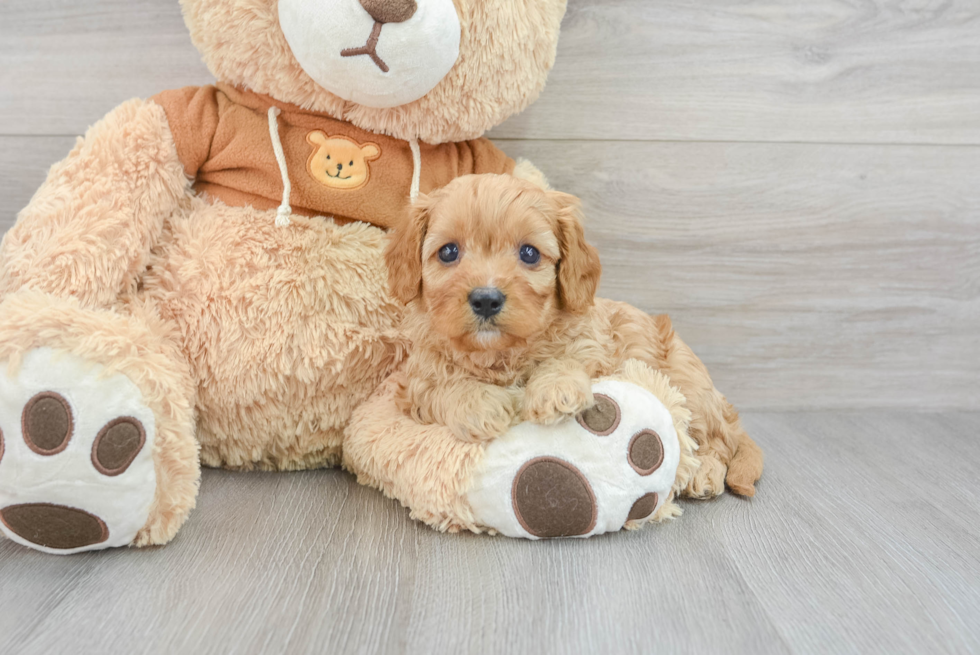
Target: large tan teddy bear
pixel 202 281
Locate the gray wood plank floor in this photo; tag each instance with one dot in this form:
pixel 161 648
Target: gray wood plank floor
pixel 863 539
pixel 795 183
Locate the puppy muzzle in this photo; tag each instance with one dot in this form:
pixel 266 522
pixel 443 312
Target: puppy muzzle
pixel 487 302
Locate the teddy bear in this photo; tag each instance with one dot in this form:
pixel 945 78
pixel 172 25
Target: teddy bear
pixel 201 280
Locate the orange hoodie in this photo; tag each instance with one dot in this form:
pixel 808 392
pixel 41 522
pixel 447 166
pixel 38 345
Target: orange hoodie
pixel 224 139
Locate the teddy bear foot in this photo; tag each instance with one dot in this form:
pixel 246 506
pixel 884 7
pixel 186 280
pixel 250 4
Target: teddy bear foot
pixel 612 467
pixel 617 465
pixel 76 455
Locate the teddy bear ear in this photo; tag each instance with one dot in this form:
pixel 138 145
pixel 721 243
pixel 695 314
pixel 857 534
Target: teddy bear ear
pixel 370 151
pixel 317 138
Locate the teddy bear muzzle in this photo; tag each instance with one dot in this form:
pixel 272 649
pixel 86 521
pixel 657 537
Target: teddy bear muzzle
pixel 369 51
pixel 390 11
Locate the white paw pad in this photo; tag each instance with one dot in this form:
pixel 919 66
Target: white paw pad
pixel 76 455
pixel 613 463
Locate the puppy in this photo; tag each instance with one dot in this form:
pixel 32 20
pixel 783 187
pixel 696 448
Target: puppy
pixel 501 284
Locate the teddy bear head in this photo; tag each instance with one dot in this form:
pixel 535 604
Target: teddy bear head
pixel 435 70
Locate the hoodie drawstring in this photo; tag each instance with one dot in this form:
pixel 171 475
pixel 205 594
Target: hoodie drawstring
pixel 416 169
pixel 284 210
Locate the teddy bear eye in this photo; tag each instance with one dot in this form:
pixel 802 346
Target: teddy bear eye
pixel 351 162
pixel 328 157
pixel 449 253
pixel 530 255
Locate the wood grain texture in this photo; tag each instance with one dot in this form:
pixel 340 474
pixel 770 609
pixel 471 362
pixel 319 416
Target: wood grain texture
pixel 875 71
pixel 879 71
pixel 65 64
pixel 862 539
pixel 24 164
pixel 805 276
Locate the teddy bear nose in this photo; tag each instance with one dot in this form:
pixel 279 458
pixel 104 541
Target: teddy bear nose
pixel 487 301
pixel 390 11
pixel 339 166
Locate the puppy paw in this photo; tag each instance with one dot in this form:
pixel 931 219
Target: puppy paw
pixel 486 416
pixel 549 401
pixel 709 480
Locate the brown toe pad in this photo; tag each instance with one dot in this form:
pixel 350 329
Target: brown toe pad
pixel 646 452
pixel 54 526
pixel 552 498
pixel 603 418
pixel 47 423
pixel 117 445
pixel 643 507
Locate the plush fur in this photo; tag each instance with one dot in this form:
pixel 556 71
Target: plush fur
pixel 286 331
pixel 135 342
pixel 387 449
pixel 88 231
pixel 535 360
pixel 264 340
pixel 639 373
pixel 253 344
pixel 507 48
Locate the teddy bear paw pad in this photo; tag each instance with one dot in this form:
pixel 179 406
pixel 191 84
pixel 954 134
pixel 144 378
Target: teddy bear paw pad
pixel 612 464
pixel 76 455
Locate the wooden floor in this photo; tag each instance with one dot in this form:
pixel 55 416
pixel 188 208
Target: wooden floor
pixel 863 539
pixel 796 183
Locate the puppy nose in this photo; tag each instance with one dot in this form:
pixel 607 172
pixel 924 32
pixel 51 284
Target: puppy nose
pixel 487 301
pixel 390 11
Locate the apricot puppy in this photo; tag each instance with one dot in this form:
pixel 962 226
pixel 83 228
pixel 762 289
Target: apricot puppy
pixel 501 286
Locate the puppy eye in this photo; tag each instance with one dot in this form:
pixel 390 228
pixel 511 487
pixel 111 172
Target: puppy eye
pixel 530 255
pixel 449 253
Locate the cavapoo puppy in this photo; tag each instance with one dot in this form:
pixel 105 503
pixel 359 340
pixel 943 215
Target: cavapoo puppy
pixel 506 327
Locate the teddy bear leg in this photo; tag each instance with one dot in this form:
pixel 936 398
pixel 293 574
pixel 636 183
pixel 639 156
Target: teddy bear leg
pixel 97 444
pixel 618 465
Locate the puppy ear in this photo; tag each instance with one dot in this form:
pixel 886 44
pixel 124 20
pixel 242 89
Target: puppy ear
pixel 579 268
pixel 404 252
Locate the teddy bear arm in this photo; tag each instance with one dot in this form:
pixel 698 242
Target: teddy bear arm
pixel 89 229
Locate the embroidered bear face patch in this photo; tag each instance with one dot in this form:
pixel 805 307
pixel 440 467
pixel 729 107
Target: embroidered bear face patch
pixel 340 162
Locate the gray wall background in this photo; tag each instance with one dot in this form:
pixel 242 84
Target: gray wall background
pixel 797 184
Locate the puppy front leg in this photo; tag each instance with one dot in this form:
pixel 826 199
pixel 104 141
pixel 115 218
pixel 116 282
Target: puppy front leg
pixel 474 411
pixel 557 388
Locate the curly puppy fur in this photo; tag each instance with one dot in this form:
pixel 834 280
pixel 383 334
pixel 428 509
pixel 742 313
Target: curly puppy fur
pixel 536 358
